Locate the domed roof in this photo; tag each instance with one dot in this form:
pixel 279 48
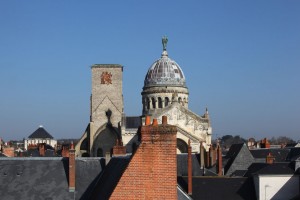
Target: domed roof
pixel 164 71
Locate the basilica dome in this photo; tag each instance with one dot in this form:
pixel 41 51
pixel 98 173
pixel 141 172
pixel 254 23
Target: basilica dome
pixel 164 84
pixel 164 72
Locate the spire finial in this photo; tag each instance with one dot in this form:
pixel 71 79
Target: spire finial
pixel 164 42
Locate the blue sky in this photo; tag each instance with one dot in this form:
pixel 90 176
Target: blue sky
pixel 241 59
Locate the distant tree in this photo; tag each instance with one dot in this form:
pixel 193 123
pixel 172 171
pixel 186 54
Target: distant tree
pixel 281 140
pixel 228 140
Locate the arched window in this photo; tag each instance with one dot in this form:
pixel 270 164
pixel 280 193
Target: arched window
pixel 182 146
pixel 179 100
pixel 160 102
pixel 153 102
pixel 166 101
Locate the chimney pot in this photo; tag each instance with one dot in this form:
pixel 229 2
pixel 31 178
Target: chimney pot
pixel 164 120
pixel 148 120
pixel 154 123
pixel 72 145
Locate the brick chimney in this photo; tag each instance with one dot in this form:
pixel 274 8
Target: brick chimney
pixel 265 143
pixel 190 169
pixel 270 159
pixel 42 149
pixel 72 168
pixel 219 161
pixel 65 151
pixel 152 171
pixel 119 149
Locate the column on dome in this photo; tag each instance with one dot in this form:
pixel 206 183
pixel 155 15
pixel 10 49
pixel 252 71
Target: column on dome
pixel 144 102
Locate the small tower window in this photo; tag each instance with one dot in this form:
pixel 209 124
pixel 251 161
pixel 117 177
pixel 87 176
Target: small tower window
pixel 159 102
pixel 167 101
pixel 153 103
pixel 179 100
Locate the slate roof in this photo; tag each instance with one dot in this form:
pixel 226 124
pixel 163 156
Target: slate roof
pixel 294 154
pixel 270 169
pixel 181 195
pixel 291 145
pixel 277 169
pixel 237 158
pixel 220 188
pixel 254 167
pixel 45 178
pixel 109 178
pixel 197 171
pixel 240 173
pixel 261 154
pixel 40 133
pixel 133 122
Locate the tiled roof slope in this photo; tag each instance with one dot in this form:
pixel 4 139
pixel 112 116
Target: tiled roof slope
pixel 181 195
pixel 238 158
pixel 220 188
pixel 270 169
pixel 182 169
pixel 277 169
pixel 133 122
pixel 294 154
pixel 40 133
pixel 45 178
pixel 261 154
pixel 108 180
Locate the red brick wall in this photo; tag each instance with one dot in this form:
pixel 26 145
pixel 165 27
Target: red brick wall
pixel 72 174
pixel 152 171
pixel 65 152
pixel 119 150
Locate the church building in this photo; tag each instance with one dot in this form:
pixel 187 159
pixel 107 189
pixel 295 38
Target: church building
pixel 165 93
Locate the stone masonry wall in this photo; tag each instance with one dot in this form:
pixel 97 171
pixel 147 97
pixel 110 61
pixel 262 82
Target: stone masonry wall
pixel 106 99
pixel 107 95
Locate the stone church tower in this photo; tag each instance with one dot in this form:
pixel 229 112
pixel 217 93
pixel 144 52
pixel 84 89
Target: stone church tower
pixel 106 108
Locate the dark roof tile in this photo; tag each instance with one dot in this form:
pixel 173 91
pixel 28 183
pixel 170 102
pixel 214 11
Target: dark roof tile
pixel 133 122
pixel 277 169
pixel 46 178
pixel 110 177
pixel 220 188
pixel 279 154
pixel 294 154
pixel 40 133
